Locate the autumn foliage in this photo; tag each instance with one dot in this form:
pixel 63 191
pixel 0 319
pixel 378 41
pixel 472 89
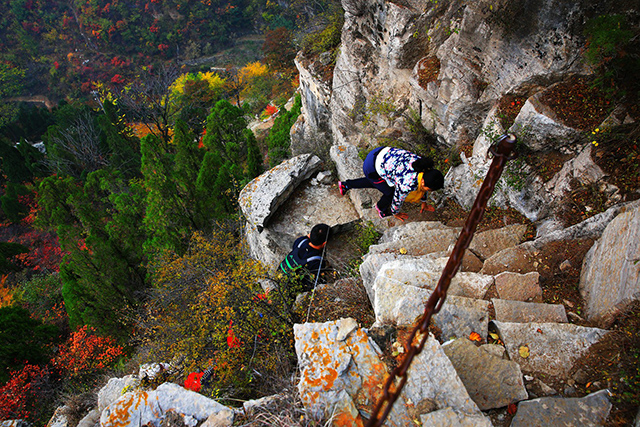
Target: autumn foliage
pixel 19 395
pixel 204 310
pixel 86 353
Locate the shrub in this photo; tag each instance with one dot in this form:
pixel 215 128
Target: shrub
pixel 85 354
pixel 25 395
pixel 208 310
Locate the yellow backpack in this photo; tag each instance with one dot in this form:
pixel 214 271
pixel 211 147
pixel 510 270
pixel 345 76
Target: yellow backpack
pixel 416 195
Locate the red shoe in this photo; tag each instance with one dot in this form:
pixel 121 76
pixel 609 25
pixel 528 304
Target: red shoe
pixel 342 188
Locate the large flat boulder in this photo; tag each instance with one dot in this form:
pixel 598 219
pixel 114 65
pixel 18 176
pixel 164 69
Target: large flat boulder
pixel 487 243
pixel 261 197
pixel 519 287
pixel 142 407
pixel 313 202
pixel 340 371
pixel 432 378
pixel 610 278
pixel 425 272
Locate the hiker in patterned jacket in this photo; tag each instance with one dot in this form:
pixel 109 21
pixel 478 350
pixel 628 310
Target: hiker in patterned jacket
pixel 401 176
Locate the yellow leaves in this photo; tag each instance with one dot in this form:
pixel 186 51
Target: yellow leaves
pixel 6 294
pixel 215 82
pixel 403 251
pixel 253 70
pixel 474 336
pixel 523 351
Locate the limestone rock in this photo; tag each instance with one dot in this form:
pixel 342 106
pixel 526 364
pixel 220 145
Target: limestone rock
pixel 371 265
pixel 312 131
pixel 519 287
pixel 425 272
pixel 487 243
pixel 311 205
pixel 491 382
pixel 92 419
pixel 416 230
pixel 433 377
pixel 581 168
pixel 340 369
pixel 551 348
pixel 112 391
pixel 590 228
pixel 15 423
pixel 610 278
pixel 429 241
pixel 526 312
pixel 59 418
pixel 495 350
pixel 250 406
pixel 518 259
pixel 401 305
pixel 588 411
pixel 142 407
pixel 447 417
pixel 223 418
pixel 263 195
pixel 461 316
pixel 349 166
pixel 549 130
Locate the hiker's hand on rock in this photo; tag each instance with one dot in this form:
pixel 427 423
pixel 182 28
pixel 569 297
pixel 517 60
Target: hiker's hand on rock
pixel 426 208
pixel 401 216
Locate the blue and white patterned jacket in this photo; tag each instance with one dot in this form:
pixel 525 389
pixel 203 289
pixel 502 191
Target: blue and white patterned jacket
pixel 397 172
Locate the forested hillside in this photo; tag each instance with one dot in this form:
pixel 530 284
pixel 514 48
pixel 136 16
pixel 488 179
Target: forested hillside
pixel 119 200
pixel 61 49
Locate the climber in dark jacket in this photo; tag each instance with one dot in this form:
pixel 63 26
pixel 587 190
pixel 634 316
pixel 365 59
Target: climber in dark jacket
pixel 306 258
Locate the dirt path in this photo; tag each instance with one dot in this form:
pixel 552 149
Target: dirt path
pixel 39 99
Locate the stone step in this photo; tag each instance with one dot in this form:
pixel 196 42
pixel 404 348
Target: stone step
pixel 400 304
pixel 588 411
pixel 526 312
pixel 551 348
pixel 492 382
pixel 426 272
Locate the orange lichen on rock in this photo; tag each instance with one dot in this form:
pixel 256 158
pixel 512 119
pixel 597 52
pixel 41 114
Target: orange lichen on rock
pixel 346 419
pixel 120 413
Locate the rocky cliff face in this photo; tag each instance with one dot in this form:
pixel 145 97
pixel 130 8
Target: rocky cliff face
pixel 447 65
pixel 483 50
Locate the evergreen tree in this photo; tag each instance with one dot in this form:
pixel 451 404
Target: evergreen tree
pixel 225 131
pixel 122 146
pixel 22 340
pixel 10 201
pixel 166 220
pixel 254 157
pixel 98 226
pixel 279 138
pixel 7 251
pixel 19 162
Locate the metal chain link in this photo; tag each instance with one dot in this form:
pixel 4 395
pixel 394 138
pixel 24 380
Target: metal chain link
pixel 502 152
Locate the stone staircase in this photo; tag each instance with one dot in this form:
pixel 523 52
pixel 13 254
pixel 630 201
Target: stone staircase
pixel 454 381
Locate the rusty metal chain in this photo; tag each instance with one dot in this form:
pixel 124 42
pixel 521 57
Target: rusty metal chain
pixel 502 151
